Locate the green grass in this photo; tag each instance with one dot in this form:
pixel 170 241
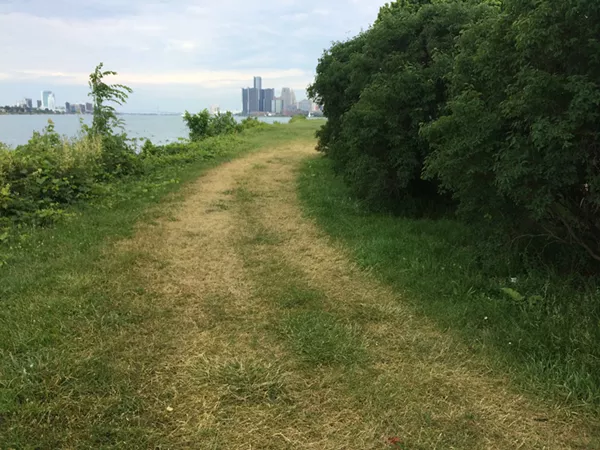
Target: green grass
pixel 319 338
pixel 246 382
pixel 541 328
pixel 79 334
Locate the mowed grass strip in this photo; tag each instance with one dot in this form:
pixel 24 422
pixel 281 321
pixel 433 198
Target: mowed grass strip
pixel 82 339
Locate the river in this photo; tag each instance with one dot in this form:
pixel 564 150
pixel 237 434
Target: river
pixel 16 130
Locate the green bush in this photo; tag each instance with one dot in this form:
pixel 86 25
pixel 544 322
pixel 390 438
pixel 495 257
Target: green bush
pixel 496 104
pixel 48 171
pixel 378 89
pixel 297 118
pixel 518 144
pixel 202 125
pixel 252 122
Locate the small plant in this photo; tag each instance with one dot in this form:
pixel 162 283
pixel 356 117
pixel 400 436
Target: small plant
pixel 103 94
pixel 119 157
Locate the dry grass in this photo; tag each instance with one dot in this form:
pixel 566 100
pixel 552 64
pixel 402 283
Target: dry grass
pixel 279 341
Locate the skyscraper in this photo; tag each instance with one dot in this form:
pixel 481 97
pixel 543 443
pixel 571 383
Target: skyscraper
pixel 253 100
pixel 245 101
pixel 45 99
pixel 29 103
pixel 256 99
pixel 51 102
pixel 289 98
pixel 277 105
pixel 39 104
pixel 267 96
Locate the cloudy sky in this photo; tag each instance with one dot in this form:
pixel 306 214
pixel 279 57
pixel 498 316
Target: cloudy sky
pixel 176 54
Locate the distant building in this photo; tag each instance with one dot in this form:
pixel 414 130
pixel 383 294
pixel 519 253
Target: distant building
pixel 39 104
pixel 306 106
pixel 29 103
pixel 289 99
pixel 51 102
pixel 214 109
pixel 277 105
pixel 256 99
pixel 267 96
pixel 245 101
pixel 89 108
pixel 67 107
pixel 253 100
pixel 46 99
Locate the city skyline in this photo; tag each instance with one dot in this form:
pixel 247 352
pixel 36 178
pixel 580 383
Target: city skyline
pixel 47 101
pixel 161 50
pixel 256 101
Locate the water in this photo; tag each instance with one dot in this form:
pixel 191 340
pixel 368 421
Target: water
pixel 16 130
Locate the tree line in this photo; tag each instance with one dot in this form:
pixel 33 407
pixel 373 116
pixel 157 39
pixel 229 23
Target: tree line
pixel 491 108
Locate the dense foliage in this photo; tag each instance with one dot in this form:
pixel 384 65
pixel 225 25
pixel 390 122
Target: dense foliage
pixel 494 103
pixel 204 125
pixel 39 179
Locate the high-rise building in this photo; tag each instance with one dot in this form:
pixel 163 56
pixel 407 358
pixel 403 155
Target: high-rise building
pixel 258 83
pixel 67 107
pixel 39 104
pixel 306 106
pixel 289 99
pixel 46 98
pixel 245 101
pixel 29 103
pixel 277 105
pixel 267 96
pixel 89 108
pixel 214 110
pixel 256 99
pixel 51 102
pixel 253 100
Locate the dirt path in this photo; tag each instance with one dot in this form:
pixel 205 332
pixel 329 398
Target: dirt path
pixel 282 343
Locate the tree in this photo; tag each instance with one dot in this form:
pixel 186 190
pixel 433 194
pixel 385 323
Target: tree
pixel 118 155
pixel 378 88
pixel 103 94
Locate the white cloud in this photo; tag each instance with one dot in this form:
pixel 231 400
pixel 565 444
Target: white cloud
pixel 182 42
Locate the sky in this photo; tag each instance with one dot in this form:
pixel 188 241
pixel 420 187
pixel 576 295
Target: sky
pixel 176 54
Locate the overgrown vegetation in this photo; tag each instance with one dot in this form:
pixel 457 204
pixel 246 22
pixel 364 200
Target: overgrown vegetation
pixel 204 125
pixel 495 105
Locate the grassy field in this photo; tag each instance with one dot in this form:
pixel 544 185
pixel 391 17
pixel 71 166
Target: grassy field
pixel 204 309
pixel 79 333
pixel 542 328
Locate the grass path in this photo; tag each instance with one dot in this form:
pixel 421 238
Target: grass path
pixel 276 340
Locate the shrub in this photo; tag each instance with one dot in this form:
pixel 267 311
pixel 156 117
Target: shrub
pixel 297 118
pixel 202 125
pixel 48 171
pixel 518 144
pixel 378 89
pixel 252 122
